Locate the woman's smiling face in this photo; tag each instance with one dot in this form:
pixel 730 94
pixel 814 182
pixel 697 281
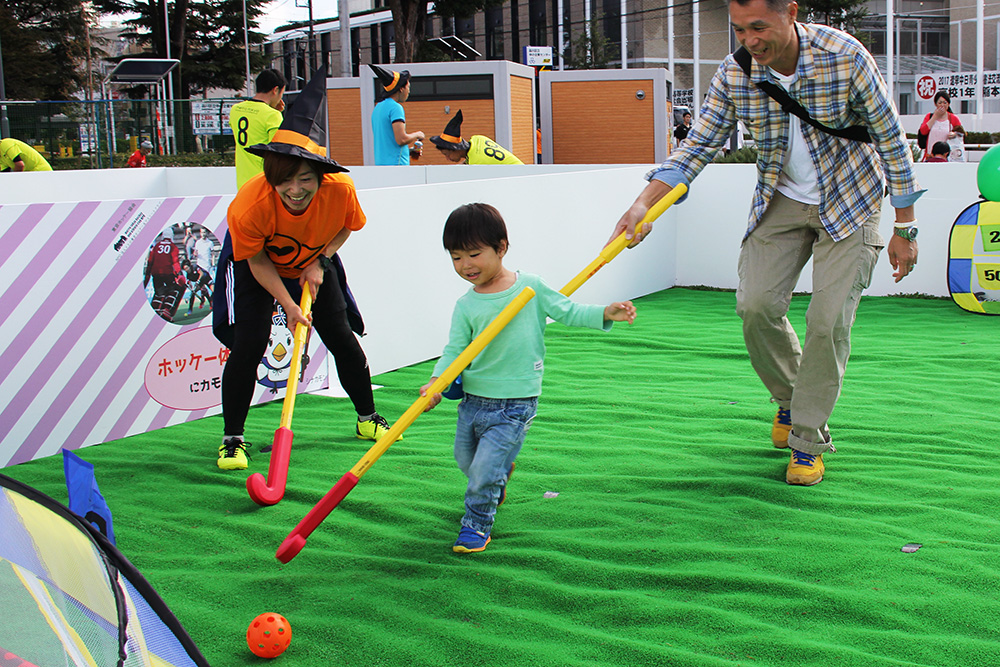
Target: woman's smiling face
pixel 296 193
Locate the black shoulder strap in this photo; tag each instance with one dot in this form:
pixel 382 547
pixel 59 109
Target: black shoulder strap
pixel 789 105
pixel 742 57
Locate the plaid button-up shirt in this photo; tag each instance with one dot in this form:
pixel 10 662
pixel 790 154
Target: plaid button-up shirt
pixel 840 85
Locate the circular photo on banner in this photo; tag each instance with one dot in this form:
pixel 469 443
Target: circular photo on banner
pixel 180 272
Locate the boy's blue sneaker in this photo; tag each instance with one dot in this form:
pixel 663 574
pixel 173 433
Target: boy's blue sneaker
pixel 470 541
pixel 503 489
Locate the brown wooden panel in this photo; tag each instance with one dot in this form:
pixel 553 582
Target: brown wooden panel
pixel 344 126
pixel 602 122
pixel 431 119
pixel 522 120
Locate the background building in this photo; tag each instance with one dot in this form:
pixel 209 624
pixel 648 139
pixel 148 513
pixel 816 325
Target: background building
pixel 688 38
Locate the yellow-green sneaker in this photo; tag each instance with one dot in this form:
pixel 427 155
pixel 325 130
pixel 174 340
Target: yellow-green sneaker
pixel 804 469
pixel 233 454
pixel 781 427
pixel 372 429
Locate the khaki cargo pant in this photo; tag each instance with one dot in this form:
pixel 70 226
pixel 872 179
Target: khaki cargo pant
pixel 807 378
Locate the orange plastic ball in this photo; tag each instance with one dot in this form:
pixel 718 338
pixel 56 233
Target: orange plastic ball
pixel 269 635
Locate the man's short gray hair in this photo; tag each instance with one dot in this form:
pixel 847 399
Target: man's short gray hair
pixel 773 5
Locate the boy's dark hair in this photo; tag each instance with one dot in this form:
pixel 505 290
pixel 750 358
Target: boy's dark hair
pixel 940 148
pixel 474 226
pixel 270 79
pixel 279 167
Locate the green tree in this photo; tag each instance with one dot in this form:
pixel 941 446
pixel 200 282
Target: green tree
pixel 206 36
pixel 44 48
pixel 591 49
pixel 217 55
pixel 410 16
pixel 843 14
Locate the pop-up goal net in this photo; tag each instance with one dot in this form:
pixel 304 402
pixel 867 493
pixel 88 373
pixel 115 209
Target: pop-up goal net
pixel 974 258
pixel 69 597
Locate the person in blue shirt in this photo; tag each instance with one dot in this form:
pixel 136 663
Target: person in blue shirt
pixel 503 382
pixel 392 141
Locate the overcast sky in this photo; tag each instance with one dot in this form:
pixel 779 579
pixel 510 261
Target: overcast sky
pixel 276 13
pixel 280 12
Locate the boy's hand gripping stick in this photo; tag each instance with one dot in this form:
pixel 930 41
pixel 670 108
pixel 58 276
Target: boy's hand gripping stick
pixel 296 540
pixel 270 491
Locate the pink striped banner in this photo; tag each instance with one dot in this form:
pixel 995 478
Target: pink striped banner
pixel 80 332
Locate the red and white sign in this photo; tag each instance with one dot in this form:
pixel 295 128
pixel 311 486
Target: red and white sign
pixel 926 87
pixel 959 85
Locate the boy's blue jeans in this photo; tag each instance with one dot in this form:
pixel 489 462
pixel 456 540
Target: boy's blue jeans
pixel 488 437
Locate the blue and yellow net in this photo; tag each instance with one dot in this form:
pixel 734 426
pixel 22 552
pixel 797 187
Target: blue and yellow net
pixel 73 598
pixel 974 258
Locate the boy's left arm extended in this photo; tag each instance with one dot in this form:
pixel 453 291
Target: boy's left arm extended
pixel 566 311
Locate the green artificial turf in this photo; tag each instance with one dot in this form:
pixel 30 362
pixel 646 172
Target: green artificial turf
pixel 673 539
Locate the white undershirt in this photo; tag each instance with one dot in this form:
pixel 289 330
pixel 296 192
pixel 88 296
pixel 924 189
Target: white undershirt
pixel 798 179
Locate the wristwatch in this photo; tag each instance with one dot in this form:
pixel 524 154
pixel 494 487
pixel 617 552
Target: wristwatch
pixel 325 262
pixel 908 233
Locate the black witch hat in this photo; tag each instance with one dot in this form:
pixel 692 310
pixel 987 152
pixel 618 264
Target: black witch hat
pixel 391 81
pixel 451 138
pixel 303 128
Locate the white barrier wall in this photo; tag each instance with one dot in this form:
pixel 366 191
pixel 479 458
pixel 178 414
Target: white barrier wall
pixel 713 220
pixel 89 356
pixel 83 347
pixel 557 224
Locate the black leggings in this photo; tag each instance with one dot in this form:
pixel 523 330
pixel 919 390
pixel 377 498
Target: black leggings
pixel 252 331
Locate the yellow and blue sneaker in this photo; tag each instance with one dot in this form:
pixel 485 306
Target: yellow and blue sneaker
pixel 804 469
pixel 781 427
pixel 470 541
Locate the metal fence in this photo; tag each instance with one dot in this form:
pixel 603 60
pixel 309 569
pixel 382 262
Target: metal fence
pixel 103 134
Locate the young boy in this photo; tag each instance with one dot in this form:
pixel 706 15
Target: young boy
pixel 939 152
pixel 503 383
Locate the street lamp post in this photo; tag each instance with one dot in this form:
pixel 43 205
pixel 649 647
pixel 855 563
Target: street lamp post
pixel 168 120
pixel 246 46
pixel 4 126
pixel 344 16
pixel 312 45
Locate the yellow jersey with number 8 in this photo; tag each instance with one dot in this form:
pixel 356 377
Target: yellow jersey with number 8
pixel 483 150
pixel 252 122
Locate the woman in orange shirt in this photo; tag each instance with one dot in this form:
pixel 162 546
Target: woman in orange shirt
pixel 285 227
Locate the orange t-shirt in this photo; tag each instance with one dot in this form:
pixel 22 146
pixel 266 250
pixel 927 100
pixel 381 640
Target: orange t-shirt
pixel 258 220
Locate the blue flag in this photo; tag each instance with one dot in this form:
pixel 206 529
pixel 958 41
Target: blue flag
pixel 85 499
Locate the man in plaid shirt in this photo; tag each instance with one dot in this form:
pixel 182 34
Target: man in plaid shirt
pixel 817 195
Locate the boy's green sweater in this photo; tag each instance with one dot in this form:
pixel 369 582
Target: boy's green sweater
pixel 511 365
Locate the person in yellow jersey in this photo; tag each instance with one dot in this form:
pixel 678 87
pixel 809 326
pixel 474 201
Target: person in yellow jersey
pixel 255 121
pixel 478 149
pixel 16 155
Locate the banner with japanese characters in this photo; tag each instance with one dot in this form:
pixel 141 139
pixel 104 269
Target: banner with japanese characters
pixel 107 312
pixel 958 85
pixel 211 116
